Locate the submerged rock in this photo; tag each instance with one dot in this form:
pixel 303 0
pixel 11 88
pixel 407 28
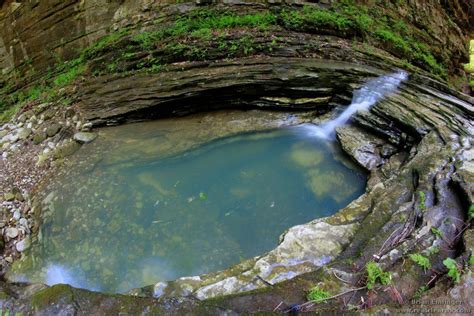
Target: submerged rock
pixel 66 149
pixel 85 137
pixel 23 245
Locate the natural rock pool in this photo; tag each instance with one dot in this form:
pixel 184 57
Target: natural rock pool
pixel 118 221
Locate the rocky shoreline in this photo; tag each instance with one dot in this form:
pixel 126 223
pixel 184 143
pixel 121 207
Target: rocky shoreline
pixel 418 140
pixel 33 145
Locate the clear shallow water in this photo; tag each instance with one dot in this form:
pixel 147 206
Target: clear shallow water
pixel 119 226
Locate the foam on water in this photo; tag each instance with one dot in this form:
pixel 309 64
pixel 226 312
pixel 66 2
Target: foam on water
pixel 363 98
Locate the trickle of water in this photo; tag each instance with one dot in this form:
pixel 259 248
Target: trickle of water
pixel 363 99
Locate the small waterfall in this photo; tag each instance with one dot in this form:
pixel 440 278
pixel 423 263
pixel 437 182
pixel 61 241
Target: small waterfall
pixel 363 99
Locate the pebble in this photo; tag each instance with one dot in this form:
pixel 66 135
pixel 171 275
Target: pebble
pixel 23 133
pixel 23 245
pixel 16 215
pixel 9 196
pixel 23 222
pixel 11 232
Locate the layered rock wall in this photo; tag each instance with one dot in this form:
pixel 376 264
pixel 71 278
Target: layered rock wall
pixel 35 35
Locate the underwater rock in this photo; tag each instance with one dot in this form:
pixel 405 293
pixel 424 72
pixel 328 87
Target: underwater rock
pixel 23 245
pixel 306 156
pixel 66 149
pixel 85 137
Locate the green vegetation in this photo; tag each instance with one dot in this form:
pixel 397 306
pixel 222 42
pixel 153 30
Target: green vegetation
pixel 202 23
pixel 422 200
pixel 212 33
pixel 421 260
pixel 453 270
pixel 471 260
pixel 317 294
pixel 310 19
pixel 470 212
pixel 420 292
pixel 376 274
pixel 437 232
pixel 434 250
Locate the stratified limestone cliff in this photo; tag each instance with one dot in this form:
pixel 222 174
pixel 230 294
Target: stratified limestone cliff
pixel 35 35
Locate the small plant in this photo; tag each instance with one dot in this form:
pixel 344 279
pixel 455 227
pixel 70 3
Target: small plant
pixel 376 274
pixel 470 212
pixel 437 232
pixel 422 200
pixel 453 270
pixel 434 250
pixel 317 294
pixel 420 291
pixel 471 260
pixel 421 260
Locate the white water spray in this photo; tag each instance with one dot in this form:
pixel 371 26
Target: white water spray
pixel 363 99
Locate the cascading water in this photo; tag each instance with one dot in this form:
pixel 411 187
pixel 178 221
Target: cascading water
pixel 363 99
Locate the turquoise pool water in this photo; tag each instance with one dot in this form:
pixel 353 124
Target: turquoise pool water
pixel 127 224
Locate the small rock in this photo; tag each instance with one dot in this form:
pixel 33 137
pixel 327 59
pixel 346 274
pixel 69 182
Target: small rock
pixel 53 130
pixel 3 133
pixel 23 245
pixel 11 232
pixel 19 197
pixel 13 138
pixel 23 133
pixel 39 138
pixel 16 215
pixel 23 222
pixel 9 196
pixel 69 113
pixel 66 149
pixel 9 259
pixel 85 137
pixel 86 126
